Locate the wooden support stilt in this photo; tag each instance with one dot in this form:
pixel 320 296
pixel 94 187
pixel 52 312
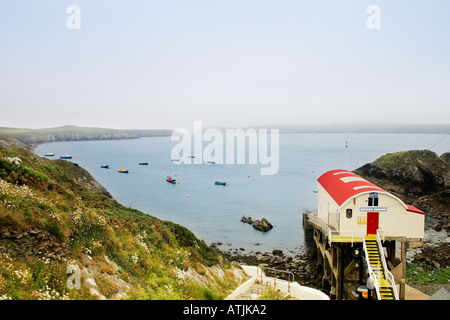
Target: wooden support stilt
pixel 403 279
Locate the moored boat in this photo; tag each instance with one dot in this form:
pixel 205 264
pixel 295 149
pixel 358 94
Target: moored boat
pixel 65 156
pixel 123 171
pixel 171 180
pixel 211 162
pixel 106 167
pixel 220 183
pixel 49 155
pixel 143 163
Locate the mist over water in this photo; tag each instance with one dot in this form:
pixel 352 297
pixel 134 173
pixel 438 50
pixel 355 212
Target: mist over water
pixel 213 212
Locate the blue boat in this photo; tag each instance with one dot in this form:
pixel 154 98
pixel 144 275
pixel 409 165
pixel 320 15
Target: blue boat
pixel 66 156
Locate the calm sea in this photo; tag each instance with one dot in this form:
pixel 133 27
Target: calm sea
pixel 213 212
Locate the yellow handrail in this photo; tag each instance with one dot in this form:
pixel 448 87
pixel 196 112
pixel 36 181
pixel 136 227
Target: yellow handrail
pixel 388 275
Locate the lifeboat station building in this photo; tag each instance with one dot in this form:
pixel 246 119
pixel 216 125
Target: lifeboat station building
pixel 357 228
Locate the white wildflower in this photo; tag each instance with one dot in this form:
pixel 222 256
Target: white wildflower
pixel 134 258
pixel 76 217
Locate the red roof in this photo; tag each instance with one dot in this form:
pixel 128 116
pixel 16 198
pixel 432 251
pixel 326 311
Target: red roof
pixel 343 185
pixel 414 209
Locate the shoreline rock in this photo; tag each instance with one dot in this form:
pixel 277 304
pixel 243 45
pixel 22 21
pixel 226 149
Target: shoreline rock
pixel 303 266
pixel 262 225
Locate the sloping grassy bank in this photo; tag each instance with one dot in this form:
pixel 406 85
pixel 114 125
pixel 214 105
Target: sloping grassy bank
pixel 58 226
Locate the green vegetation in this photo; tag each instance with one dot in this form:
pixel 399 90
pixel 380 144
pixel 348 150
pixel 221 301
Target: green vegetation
pixel 50 223
pixel 271 293
pixel 416 273
pixel 402 159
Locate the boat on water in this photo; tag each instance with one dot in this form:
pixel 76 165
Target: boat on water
pixel 191 156
pixel 175 160
pixel 211 162
pixel 171 180
pixel 49 155
pixel 220 183
pixel 143 163
pixel 65 156
pixel 105 167
pixel 123 171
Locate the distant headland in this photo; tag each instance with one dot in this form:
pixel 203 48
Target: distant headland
pixel 30 138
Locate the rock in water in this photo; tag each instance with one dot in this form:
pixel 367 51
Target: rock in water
pixel 262 225
pixel 247 220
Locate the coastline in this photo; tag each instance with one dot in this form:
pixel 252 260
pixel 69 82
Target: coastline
pixel 31 138
pixel 301 265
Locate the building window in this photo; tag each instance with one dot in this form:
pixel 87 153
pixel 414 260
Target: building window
pixel 373 202
pixel 349 213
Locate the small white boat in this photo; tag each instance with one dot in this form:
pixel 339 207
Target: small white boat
pixel 65 156
pixel 49 155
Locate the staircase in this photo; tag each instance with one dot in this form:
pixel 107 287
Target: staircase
pixel 381 278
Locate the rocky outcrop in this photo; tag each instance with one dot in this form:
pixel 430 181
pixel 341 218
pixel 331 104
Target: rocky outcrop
pixel 82 177
pixel 446 157
pixel 409 173
pixel 302 266
pixel 15 160
pixel 4 145
pixel 420 177
pixel 32 242
pixel 261 225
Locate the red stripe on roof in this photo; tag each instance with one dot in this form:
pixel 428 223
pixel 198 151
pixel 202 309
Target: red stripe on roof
pixel 342 185
pixel 341 189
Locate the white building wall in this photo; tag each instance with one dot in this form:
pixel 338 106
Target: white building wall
pixel 396 221
pixel 327 209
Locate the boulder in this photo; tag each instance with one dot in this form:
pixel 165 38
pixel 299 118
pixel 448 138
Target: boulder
pixel 277 252
pixel 246 220
pixel 262 225
pixel 15 160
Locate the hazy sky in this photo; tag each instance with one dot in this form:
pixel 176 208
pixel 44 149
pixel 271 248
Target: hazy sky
pixel 165 64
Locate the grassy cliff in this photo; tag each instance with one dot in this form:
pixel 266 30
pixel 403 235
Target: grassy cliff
pixel 30 138
pixel 58 224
